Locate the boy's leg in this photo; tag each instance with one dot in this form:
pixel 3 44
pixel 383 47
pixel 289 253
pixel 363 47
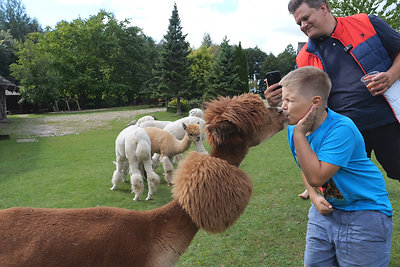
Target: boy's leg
pixel 365 239
pixel 304 195
pixel 320 249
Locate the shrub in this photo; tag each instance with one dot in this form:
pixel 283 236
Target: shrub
pixel 172 105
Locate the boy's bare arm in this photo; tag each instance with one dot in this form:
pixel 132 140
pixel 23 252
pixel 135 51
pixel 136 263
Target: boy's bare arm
pixel 322 205
pixel 316 172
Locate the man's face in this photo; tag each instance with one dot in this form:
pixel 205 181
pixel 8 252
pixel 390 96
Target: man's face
pixel 313 22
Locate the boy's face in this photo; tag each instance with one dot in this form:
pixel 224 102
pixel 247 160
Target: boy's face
pixel 295 106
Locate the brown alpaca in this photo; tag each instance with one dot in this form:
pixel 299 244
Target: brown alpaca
pixel 210 192
pixel 167 145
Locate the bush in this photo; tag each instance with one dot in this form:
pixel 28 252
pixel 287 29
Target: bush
pixel 195 103
pixel 172 105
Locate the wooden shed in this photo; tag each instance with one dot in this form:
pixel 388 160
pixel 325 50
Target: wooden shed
pixel 9 86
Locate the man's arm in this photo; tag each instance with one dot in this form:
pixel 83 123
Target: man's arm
pixel 384 80
pixel 390 39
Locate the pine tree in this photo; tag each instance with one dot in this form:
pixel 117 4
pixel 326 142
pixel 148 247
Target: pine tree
pixel 13 17
pixel 207 40
pixel 174 63
pixel 242 66
pixel 223 79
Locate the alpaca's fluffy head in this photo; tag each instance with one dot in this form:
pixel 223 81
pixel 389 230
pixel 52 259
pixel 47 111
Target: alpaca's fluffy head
pixel 193 131
pixel 241 119
pixel 213 192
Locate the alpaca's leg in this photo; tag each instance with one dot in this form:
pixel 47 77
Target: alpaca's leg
pixel 152 178
pixel 178 157
pixel 142 170
pixel 119 173
pixel 136 179
pixel 125 170
pixel 156 160
pixel 137 185
pixel 168 169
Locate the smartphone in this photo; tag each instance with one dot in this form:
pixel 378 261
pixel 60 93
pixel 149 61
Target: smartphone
pixel 273 77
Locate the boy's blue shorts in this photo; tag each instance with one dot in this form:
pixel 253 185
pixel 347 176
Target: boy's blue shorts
pixel 348 238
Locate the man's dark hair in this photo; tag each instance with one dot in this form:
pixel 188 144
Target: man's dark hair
pixel 294 4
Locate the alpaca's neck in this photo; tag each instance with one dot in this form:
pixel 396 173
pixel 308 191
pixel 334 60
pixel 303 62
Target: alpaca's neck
pixel 233 154
pixel 174 234
pixel 182 145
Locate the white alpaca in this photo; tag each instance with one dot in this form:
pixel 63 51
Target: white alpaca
pixel 154 123
pixel 167 145
pixel 133 151
pixel 141 120
pixel 196 112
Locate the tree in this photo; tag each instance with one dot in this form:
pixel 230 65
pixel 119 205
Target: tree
pixel 37 73
pixel 388 10
pixel 207 40
pixel 287 60
pixel 223 79
pixel 100 61
pixel 13 17
pixel 200 65
pixel 7 47
pixel 270 63
pixel 284 63
pixel 15 22
pixel 174 63
pixel 242 68
pixel 255 58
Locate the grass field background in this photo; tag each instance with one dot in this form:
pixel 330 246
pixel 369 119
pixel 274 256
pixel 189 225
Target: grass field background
pixel 75 171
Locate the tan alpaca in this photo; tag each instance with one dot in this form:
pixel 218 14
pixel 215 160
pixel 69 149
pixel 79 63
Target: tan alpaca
pixel 167 145
pixel 210 192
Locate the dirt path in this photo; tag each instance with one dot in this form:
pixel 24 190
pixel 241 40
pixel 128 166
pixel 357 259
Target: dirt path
pixel 66 124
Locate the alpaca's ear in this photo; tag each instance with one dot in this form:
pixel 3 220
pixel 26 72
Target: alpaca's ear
pixel 220 132
pixel 184 126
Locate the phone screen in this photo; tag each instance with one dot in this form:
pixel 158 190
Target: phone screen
pixel 273 77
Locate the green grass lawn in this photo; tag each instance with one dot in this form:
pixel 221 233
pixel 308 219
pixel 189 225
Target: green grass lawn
pixel 75 171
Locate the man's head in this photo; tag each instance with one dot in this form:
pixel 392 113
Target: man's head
pixel 303 88
pixel 295 4
pixel 313 17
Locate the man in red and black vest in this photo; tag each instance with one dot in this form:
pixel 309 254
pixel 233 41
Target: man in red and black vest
pixel 347 48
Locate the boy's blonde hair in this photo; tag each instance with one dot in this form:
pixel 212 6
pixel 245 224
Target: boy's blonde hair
pixel 309 81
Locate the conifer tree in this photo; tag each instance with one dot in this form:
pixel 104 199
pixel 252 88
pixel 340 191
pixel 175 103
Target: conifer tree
pixel 13 17
pixel 174 63
pixel 223 79
pixel 242 68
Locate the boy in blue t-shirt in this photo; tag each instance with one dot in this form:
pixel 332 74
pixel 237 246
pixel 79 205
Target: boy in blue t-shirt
pixel 350 219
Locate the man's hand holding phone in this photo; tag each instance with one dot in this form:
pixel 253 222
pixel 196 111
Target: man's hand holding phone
pixel 273 93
